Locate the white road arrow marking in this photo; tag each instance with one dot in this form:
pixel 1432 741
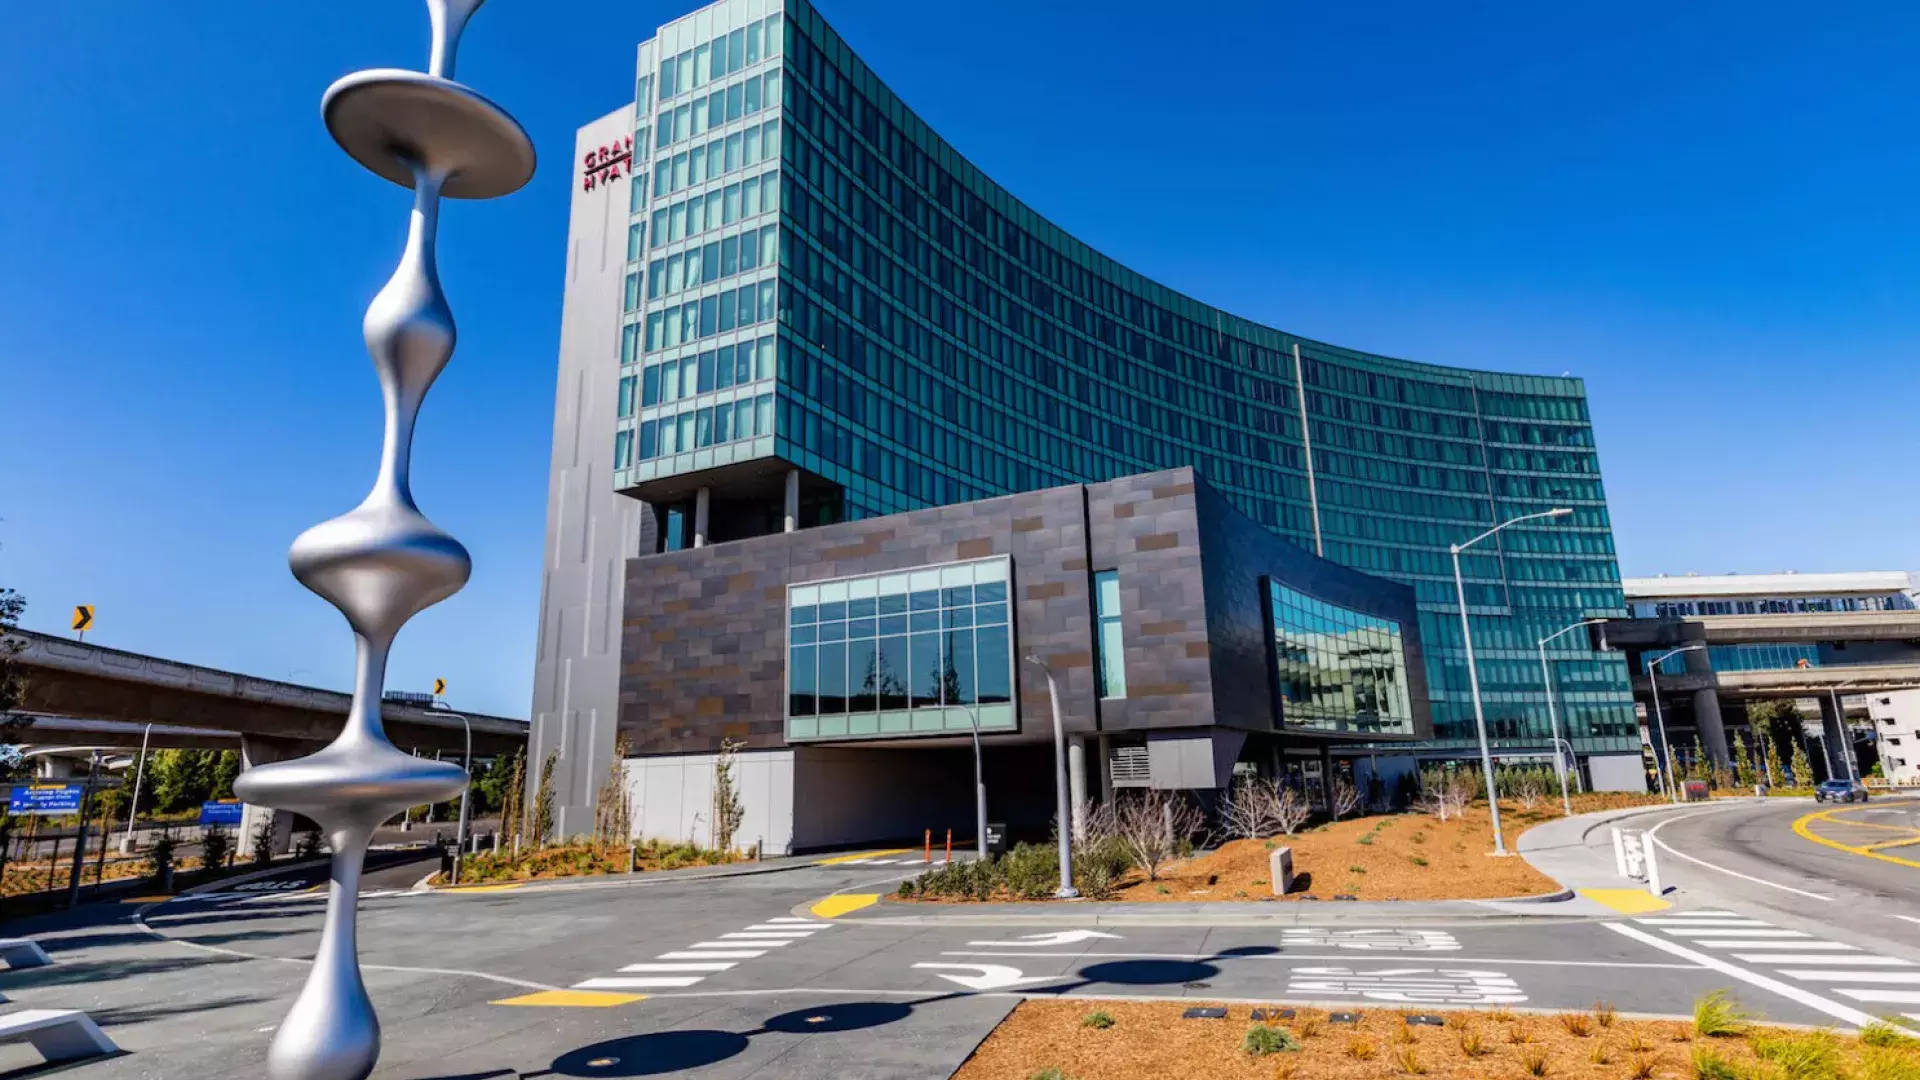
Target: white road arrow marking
pixel 1058 937
pixel 991 977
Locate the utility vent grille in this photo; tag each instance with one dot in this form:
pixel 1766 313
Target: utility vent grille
pixel 1128 766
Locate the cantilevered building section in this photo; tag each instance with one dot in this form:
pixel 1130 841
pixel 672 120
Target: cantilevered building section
pixel 825 315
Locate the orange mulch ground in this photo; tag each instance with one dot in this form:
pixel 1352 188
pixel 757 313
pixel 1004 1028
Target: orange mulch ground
pixel 1389 857
pixel 23 878
pixel 1150 1041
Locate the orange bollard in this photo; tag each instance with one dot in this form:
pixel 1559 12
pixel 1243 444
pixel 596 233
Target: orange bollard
pixel 929 847
pixel 949 847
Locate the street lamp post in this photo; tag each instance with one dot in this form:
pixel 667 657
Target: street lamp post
pixel 1661 760
pixel 1553 718
pixel 1066 891
pixel 466 799
pixel 979 788
pixel 1473 674
pixel 133 806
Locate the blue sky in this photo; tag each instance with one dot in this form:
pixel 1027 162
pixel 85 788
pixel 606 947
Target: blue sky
pixel 1707 210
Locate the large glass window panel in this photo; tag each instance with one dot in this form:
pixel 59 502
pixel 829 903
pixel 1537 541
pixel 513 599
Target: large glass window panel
pixel 863 668
pixel 927 670
pixel 1112 666
pixel 833 678
pixel 995 664
pixel 892 673
pixel 802 681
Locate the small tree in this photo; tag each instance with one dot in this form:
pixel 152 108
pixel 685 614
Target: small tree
pixel 215 845
pixel 513 805
pixel 1802 768
pixel 1152 827
pixel 1742 764
pixel 1346 797
pixel 613 808
pixel 1290 810
pixel 309 844
pixel 542 821
pixel 13 675
pixel 728 813
pixel 262 841
pixel 1250 809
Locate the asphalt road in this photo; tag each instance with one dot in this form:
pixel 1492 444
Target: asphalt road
pixel 1752 856
pixel 696 975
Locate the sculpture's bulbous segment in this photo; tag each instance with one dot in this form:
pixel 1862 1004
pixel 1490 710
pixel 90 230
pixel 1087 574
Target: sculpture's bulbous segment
pixel 380 563
pixel 352 783
pixel 331 1033
pixel 409 328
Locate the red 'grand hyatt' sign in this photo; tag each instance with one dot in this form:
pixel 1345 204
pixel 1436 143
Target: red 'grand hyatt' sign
pixel 607 164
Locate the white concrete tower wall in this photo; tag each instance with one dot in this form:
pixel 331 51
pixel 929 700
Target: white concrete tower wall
pixel 590 530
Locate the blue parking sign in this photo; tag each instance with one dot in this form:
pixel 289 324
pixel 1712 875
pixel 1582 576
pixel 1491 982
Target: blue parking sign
pixel 45 799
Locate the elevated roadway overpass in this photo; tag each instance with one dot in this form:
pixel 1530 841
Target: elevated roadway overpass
pixel 69 682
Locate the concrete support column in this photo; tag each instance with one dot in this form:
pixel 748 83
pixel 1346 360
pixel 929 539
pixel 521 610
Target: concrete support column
pixel 1077 783
pixel 259 750
pixel 1833 729
pixel 701 502
pixel 1106 771
pixel 793 500
pixel 1706 711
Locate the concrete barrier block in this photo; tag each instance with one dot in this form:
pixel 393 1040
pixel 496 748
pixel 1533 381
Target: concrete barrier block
pixel 1280 870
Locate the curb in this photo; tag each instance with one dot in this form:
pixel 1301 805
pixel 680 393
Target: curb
pixel 614 881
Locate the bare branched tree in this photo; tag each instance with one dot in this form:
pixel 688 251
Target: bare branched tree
pixel 1291 810
pixel 1346 797
pixel 1250 810
pixel 1153 827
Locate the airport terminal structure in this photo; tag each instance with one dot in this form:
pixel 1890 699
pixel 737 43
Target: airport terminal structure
pixel 851 447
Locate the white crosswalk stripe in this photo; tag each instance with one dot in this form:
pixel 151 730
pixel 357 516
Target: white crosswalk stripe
pixel 1823 958
pixel 688 966
pixel 1837 968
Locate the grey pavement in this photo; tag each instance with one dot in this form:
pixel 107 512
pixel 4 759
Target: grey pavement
pixel 701 975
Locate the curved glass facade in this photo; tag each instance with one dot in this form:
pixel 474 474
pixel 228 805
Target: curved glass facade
pixel 939 341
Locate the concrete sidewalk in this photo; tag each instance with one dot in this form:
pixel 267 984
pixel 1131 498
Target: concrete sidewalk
pixel 1577 852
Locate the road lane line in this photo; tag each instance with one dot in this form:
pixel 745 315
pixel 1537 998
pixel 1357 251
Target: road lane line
pixel 1398 959
pixel 590 999
pixel 1801 829
pixel 715 954
pixel 1654 834
pixel 765 937
pixel 1754 932
pixel 742 939
pixel 1822 958
pixel 1787 990
pixel 791 921
pixel 646 983
pixel 786 928
pixel 1769 943
pixel 1888 977
pixel 662 969
pixel 1885 997
pixel 1702 922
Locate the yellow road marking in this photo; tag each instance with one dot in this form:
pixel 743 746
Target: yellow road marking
pixel 582 999
pixel 835 906
pixel 1626 901
pixel 837 859
pixel 160 899
pixel 1802 829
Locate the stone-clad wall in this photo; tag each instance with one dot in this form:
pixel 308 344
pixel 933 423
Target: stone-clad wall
pixel 1146 527
pixel 703 655
pixel 1239 553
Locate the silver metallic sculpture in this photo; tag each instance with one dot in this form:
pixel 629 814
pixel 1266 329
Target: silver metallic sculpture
pixel 383 561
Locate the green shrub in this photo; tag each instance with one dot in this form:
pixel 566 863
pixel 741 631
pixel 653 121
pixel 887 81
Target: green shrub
pixel 1708 1065
pixel 1099 1020
pixel 1885 1033
pixel 1718 1016
pixel 1813 1055
pixel 1050 1073
pixel 1263 1039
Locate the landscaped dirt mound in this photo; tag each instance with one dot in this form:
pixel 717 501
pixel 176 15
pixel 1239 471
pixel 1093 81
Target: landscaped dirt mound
pixel 1396 857
pixel 1113 1040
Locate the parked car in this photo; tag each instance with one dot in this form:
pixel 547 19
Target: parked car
pixel 1840 791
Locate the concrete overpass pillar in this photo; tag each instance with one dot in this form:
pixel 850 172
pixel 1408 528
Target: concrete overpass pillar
pixel 1833 729
pixel 1706 712
pixel 259 750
